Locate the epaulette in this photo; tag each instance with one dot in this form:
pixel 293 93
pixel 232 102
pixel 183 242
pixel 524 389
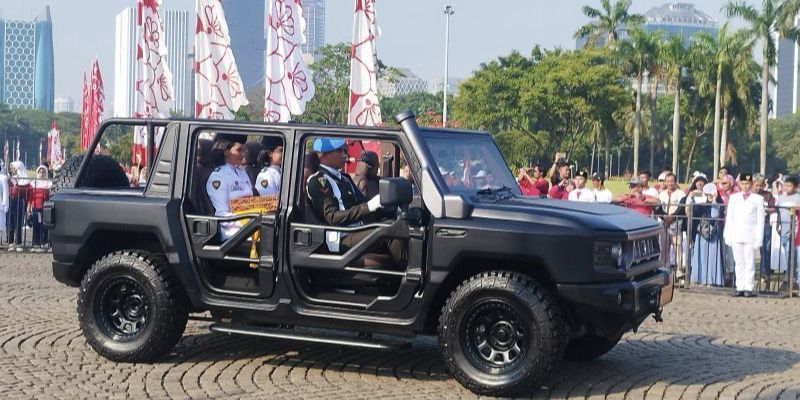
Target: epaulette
pixel 264 169
pixel 217 169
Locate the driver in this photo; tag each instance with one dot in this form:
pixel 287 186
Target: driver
pixel 336 201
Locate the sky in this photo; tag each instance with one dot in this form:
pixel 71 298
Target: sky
pixel 412 31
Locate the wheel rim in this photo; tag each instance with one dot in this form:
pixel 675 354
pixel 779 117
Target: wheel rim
pixel 495 338
pixel 122 308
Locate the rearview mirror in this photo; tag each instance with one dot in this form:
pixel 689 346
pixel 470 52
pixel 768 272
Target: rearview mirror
pixel 395 192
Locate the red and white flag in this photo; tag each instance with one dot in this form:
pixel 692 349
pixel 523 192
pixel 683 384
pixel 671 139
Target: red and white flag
pixel 153 87
pixel 96 100
pixel 85 107
pixel 55 156
pixel 365 109
pixel 288 80
pixel 219 91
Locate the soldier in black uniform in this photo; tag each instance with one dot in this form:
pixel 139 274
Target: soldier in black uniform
pixel 336 201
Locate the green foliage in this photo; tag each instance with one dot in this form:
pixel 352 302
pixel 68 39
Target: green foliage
pixel 31 127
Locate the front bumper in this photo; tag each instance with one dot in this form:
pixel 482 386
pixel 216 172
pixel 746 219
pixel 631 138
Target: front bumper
pixel 615 307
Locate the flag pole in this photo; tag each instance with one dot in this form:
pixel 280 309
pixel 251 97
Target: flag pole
pixel 448 11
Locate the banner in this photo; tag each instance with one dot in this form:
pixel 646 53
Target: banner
pixel 289 84
pixel 153 88
pixel 219 91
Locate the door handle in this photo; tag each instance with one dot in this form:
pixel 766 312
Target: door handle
pixel 201 228
pixel 302 237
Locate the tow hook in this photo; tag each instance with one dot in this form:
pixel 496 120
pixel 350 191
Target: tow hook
pixel 657 315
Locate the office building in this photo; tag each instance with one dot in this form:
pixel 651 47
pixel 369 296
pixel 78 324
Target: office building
pixel 26 63
pixel 784 91
pixel 404 84
pixel 314 12
pixel 64 104
pixel 247 28
pixel 179 35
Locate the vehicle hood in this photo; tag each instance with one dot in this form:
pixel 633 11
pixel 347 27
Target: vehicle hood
pixel 595 216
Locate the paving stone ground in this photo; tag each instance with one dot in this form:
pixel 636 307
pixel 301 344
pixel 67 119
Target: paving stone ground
pixel 709 347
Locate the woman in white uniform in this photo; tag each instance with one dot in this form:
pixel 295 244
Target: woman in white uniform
pixel 228 181
pixel 3 198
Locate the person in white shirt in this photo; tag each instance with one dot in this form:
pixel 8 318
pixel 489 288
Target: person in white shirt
pixel 228 181
pixel 268 181
pixel 671 209
pixel 601 194
pixel 744 232
pixel 644 179
pixel 581 193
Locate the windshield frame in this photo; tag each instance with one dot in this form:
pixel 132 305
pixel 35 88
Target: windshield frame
pixel 503 176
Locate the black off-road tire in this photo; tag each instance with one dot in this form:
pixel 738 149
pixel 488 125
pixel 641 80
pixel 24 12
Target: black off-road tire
pixel 588 347
pixel 540 317
pixel 102 172
pixel 164 304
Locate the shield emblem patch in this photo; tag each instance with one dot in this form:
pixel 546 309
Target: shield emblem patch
pixel 264 183
pixel 216 184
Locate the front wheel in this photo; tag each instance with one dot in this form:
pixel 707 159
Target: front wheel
pixel 131 307
pixel 501 332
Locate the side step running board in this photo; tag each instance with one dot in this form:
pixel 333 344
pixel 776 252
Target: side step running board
pixel 312 337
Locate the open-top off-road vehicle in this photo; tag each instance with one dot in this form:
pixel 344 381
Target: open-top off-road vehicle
pixel 510 285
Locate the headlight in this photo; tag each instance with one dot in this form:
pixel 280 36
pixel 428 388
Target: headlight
pixel 617 255
pixel 609 255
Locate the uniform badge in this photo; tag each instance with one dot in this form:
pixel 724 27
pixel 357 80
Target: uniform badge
pixel 264 183
pixel 216 184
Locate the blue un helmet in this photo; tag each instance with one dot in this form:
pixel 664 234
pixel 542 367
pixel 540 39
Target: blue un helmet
pixel 327 145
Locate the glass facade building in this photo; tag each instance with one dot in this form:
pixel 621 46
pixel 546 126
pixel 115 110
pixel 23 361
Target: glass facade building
pixel 247 28
pixel 314 12
pixel 680 19
pixel 26 63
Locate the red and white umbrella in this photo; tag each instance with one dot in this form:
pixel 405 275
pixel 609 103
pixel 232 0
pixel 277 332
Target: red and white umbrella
pixel 219 91
pixel 288 80
pixel 154 92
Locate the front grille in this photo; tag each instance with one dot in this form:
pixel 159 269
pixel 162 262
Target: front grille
pixel 645 249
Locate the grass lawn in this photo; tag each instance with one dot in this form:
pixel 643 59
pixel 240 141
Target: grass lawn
pixel 618 187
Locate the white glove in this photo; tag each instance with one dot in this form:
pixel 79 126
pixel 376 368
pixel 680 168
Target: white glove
pixel 374 203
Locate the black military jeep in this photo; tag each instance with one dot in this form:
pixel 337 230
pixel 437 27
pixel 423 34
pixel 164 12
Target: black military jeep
pixel 510 284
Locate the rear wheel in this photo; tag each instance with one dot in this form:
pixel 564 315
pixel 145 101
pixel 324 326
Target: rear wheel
pixel 589 347
pixel 131 308
pixel 500 332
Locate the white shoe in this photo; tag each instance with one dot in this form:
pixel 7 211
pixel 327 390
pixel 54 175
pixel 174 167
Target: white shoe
pixel 19 249
pixel 11 248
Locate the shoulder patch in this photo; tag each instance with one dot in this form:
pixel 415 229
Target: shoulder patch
pixel 264 183
pixel 216 184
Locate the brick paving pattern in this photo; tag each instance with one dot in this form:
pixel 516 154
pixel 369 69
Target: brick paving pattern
pixel 709 347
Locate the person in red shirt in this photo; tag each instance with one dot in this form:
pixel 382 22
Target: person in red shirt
pixel 636 200
pixel 39 192
pixel 527 184
pixel 561 180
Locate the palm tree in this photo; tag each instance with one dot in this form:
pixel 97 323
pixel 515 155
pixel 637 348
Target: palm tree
pixel 715 55
pixel 738 77
pixel 776 18
pixel 607 23
pixel 636 55
pixel 673 56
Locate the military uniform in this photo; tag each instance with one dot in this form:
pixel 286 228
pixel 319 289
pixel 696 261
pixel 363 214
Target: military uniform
pixel 336 201
pixel 227 183
pixel 584 195
pixel 268 181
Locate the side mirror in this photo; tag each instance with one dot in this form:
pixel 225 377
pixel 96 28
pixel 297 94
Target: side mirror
pixel 395 192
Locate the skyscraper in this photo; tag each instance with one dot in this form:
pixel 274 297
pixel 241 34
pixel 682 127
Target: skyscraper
pixel 785 94
pixel 179 42
pixel 26 63
pixel 247 29
pixel 314 12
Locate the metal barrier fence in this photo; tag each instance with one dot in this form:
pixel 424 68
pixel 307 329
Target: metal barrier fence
pixel 22 222
pixel 694 246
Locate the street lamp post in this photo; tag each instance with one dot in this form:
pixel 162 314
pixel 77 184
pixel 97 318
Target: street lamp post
pixel 448 11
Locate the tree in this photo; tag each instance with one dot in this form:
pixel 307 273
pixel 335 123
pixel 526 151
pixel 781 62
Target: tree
pixel 607 22
pixel 673 56
pixel 776 18
pixel 637 54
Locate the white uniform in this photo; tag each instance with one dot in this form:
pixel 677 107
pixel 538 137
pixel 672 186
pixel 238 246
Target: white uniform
pixel 268 181
pixel 584 195
pixel 651 191
pixel 227 183
pixel 604 196
pixel 3 200
pixel 744 232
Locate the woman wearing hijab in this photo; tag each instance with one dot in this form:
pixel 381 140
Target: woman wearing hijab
pixel 18 186
pixel 707 255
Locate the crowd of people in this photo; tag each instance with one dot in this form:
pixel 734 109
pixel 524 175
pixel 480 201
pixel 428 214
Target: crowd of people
pixel 714 228
pixel 22 199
